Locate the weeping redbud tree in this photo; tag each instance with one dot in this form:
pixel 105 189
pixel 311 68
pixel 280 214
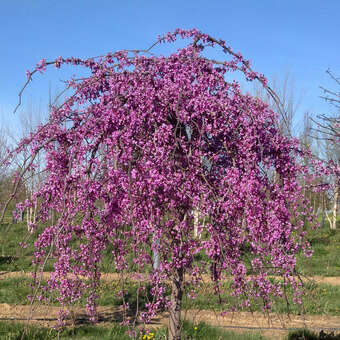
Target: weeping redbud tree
pixel 138 147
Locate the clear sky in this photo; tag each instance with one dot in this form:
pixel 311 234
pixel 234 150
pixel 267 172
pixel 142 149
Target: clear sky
pixel 299 37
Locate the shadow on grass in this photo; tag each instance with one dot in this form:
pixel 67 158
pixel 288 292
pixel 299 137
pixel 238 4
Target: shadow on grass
pixel 7 259
pixel 305 334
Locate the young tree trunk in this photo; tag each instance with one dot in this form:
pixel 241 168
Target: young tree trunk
pixel 28 217
pixel 34 212
pixel 156 257
pixel 176 307
pixel 335 207
pixel 332 219
pixel 323 211
pixel 196 216
pixel 52 216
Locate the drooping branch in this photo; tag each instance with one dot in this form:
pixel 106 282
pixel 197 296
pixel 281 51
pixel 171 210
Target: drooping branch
pixel 143 142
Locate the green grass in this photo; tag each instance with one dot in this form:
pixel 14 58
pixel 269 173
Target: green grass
pixel 18 331
pixel 318 299
pixel 203 331
pixel 12 256
pixel 325 244
pixel 15 291
pixel 325 260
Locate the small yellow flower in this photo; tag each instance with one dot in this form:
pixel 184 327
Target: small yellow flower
pixel 195 328
pixel 148 336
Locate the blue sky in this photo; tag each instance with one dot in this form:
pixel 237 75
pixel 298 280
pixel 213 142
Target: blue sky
pixel 298 37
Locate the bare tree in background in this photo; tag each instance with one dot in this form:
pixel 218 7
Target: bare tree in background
pixel 333 153
pixel 330 124
pixel 3 151
pixel 4 171
pixel 310 140
pixel 290 102
pixel 287 107
pixel 29 119
pixel 328 127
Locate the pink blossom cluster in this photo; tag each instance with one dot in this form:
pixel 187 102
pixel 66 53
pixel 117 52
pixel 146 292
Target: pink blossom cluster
pixel 143 142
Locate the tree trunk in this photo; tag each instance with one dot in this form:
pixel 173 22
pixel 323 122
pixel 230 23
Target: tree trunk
pixel 323 210
pixel 196 216
pixel 156 256
pixel 332 219
pixel 175 326
pixel 28 217
pixel 335 207
pixel 52 216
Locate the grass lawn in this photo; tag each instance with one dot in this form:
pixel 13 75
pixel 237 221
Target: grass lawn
pixel 324 262
pixel 319 299
pixel 17 331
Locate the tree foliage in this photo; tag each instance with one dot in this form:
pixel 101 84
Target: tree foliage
pixel 143 142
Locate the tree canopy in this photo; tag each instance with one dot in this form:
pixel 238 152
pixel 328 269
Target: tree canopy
pixel 143 142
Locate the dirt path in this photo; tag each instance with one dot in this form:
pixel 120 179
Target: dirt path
pixel 273 326
pixel 331 280
pixel 48 315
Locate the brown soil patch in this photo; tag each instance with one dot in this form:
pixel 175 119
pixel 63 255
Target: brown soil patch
pixel 48 315
pixel 331 280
